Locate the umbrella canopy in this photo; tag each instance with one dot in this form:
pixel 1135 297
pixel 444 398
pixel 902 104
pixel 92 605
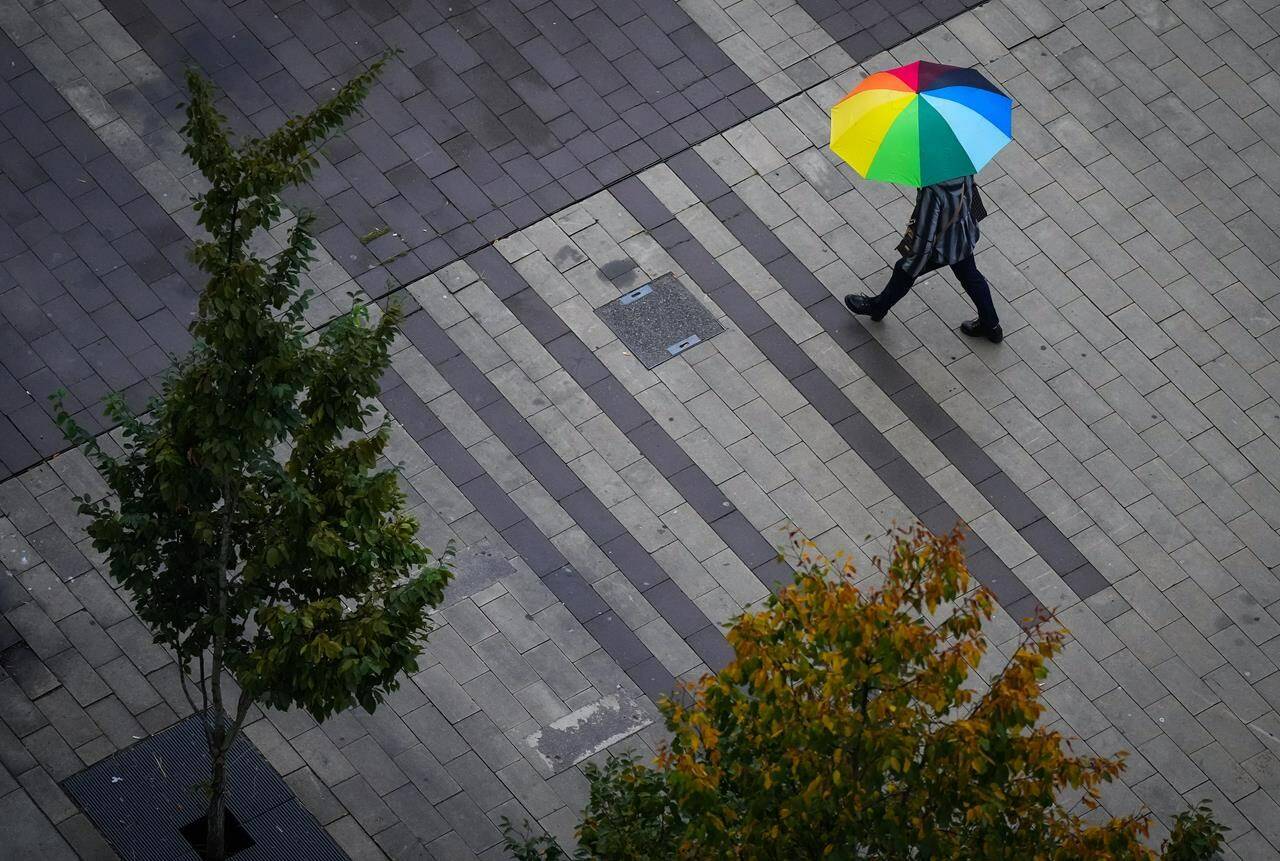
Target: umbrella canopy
pixel 921 123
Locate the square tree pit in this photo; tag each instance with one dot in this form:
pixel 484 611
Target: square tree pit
pixel 142 798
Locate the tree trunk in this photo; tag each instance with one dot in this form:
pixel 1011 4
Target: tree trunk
pixel 215 845
pixel 217 731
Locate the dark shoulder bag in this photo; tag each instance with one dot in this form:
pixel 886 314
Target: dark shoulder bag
pixel 908 239
pixel 978 208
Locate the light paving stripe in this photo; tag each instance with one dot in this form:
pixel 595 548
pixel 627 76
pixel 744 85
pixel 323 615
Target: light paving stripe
pixel 613 463
pixel 574 304
pixel 518 530
pixel 559 239
pixel 599 452
pixel 563 248
pixel 727 372
pixel 830 401
pixel 576 239
pixel 481 404
pixel 917 448
pixel 446 514
pixel 717 393
pixel 633 419
pixel 742 219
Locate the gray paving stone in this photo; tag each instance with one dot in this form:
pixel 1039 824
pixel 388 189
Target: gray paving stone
pixel 1172 763
pixel 496 701
pixel 1189 424
pixel 364 804
pixel 431 778
pixel 1241 741
pixel 445 693
pixel 479 783
pixel 373 763
pixel 542 703
pixel 1134 678
pixel 323 757
pixel 26 826
pixel 535 793
pixel 469 821
pixel 1080 713
pixel 1232 779
pixel 514 623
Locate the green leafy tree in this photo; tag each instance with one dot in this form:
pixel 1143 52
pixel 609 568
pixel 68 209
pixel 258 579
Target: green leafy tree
pixel 848 725
pixel 1196 835
pixel 250 521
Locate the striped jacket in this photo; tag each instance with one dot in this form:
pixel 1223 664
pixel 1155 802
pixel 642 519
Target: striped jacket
pixel 943 229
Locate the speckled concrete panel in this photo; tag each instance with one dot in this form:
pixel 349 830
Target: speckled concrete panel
pixel 659 320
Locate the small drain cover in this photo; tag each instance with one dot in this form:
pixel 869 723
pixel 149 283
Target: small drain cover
pixel 659 320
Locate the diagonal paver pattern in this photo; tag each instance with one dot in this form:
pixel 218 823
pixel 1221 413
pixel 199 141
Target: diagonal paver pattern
pixel 91 300
pixel 1115 459
pixel 1120 248
pixel 493 116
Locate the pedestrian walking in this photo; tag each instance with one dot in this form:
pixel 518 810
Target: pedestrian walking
pixel 933 127
pixel 942 231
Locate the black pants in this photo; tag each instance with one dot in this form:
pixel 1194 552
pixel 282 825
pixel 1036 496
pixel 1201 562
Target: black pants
pixel 970 278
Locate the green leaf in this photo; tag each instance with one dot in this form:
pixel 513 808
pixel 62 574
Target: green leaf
pixel 247 515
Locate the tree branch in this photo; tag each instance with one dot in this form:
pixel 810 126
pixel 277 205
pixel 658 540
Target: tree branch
pixel 186 691
pixel 204 684
pixel 242 711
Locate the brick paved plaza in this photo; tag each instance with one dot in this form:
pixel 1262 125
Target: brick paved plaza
pixel 525 162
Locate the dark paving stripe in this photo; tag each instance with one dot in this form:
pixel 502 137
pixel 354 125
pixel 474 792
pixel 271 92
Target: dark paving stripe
pixel 631 417
pixel 865 29
pixel 495 115
pixel 524 537
pixel 896 472
pixel 94 293
pixel 491 119
pixel 894 380
pixel 558 479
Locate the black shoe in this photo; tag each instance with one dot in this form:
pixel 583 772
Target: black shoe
pixel 864 305
pixel 977 329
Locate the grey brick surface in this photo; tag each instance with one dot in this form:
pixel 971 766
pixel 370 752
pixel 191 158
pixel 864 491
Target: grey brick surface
pixel 1132 244
pixel 1187 441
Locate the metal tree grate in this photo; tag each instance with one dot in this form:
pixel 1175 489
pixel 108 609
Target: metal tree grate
pixel 659 320
pixel 141 797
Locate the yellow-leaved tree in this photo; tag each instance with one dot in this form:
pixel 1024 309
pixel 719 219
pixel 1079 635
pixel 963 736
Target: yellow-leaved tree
pixel 850 725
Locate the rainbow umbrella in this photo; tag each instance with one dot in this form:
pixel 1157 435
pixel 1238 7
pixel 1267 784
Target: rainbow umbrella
pixel 921 123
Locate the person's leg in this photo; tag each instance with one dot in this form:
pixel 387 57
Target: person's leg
pixel 877 306
pixel 899 285
pixel 978 289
